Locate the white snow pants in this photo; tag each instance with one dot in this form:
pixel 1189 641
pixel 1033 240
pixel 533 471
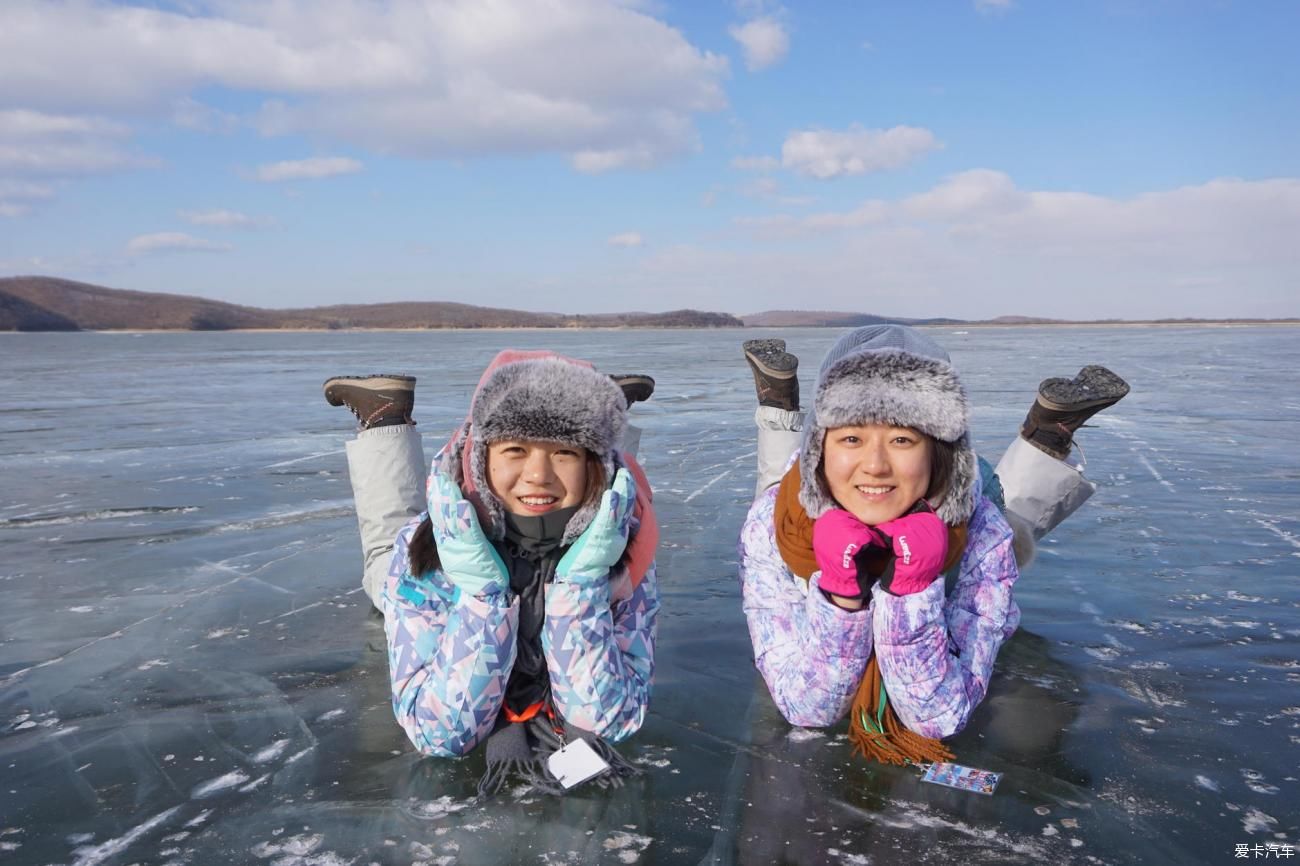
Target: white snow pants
pixel 388 473
pixel 1038 488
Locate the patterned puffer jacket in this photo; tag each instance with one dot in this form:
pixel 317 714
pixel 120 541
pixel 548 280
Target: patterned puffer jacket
pixel 936 653
pixel 451 653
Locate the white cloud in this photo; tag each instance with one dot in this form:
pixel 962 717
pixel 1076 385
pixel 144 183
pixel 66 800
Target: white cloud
pixel 825 154
pixel 980 191
pixel 977 246
pixel 626 239
pixel 599 81
pixel 191 114
pixel 307 169
pixel 221 218
pixel 173 242
pixel 764 41
pixel 18 197
pixel 40 143
pixel 993 6
pixel 601 161
pixel 18 122
pixel 756 163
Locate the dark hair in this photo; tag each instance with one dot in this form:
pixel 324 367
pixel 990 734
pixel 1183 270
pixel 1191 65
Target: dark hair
pixel 943 459
pixel 423 549
pixel 596 480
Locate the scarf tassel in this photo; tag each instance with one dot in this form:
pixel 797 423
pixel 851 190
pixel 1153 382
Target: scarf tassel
pixel 876 732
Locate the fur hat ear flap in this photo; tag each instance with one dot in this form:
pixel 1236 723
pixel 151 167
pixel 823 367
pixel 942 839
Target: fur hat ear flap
pixel 814 495
pixel 958 501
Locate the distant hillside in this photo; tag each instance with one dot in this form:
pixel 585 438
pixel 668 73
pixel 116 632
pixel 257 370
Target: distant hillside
pixel 33 303
pixel 826 319
pixel 51 304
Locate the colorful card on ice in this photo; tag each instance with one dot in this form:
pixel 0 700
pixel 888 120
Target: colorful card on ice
pixel 962 778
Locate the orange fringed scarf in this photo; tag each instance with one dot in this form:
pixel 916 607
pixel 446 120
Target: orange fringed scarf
pixel 874 727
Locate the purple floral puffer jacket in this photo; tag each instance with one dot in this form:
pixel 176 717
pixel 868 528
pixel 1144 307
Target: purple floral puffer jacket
pixel 936 653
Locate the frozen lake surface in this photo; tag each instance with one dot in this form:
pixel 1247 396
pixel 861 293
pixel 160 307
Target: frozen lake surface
pixel 189 673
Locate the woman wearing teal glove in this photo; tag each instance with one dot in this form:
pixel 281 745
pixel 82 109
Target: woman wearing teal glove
pixel 523 601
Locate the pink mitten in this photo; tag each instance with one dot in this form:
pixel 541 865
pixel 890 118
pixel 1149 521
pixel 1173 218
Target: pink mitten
pixel 919 542
pixel 837 538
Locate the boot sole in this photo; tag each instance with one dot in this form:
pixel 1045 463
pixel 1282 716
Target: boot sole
pixel 637 387
pixel 377 382
pixel 1094 387
pixel 770 358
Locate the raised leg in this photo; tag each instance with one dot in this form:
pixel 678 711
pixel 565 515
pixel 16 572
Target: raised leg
pixel 388 471
pixel 385 463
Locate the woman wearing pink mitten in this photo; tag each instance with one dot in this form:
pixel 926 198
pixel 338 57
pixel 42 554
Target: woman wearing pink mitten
pixel 916 545
pixel 843 563
pixel 842 545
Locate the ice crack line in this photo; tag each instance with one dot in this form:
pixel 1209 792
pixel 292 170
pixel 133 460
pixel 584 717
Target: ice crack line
pixel 715 480
pixel 1155 474
pixel 301 459
pixel 1280 533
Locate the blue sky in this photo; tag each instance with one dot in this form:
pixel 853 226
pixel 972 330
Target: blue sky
pixel 971 158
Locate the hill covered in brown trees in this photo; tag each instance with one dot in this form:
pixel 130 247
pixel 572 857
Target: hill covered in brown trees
pixel 52 304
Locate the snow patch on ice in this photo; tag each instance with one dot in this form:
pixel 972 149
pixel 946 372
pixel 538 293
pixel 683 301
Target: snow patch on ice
pixel 199 818
pixel 439 808
pixel 221 783
pixel 93 855
pixel 918 816
pixel 297 755
pixel 1256 821
pixel 803 735
pixel 1255 782
pixel 630 846
pixel 271 752
pixel 255 784
pixel 295 847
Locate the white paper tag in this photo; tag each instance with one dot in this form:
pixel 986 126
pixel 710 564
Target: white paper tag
pixel 575 763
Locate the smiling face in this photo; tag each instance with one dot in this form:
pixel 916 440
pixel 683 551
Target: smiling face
pixel 876 472
pixel 532 478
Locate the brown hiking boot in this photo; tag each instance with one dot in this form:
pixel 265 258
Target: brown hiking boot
pixel 1063 405
pixel 381 400
pixel 776 373
pixel 636 386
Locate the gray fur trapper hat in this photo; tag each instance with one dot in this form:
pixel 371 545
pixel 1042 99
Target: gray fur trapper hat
pixel 549 399
pixel 890 374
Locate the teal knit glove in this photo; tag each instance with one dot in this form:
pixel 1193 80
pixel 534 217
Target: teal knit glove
pixel 603 542
pixel 468 559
